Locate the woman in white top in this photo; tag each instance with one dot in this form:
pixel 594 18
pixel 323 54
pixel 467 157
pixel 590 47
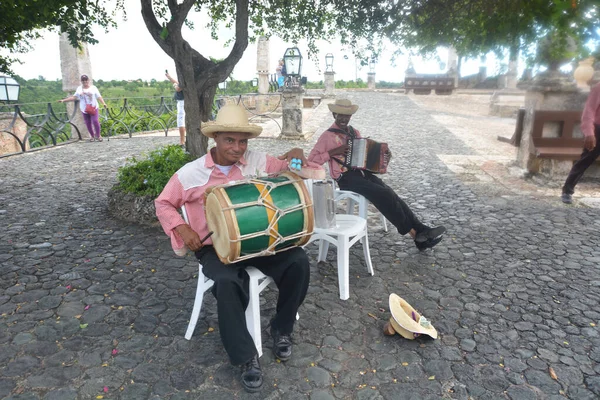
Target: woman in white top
pixel 87 93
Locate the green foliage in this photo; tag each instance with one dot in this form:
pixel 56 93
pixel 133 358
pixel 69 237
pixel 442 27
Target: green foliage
pixel 359 84
pixel 149 175
pixel 476 27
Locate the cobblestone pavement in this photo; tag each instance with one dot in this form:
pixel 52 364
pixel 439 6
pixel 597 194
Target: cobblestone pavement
pixel 92 307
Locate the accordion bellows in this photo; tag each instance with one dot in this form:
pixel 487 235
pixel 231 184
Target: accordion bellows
pixel 368 154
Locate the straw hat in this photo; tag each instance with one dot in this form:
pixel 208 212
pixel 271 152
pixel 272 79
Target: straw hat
pixel 231 118
pixel 407 321
pixel 343 106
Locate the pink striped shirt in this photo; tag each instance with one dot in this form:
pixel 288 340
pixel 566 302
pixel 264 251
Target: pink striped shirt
pixel 329 141
pixel 591 112
pixel 188 185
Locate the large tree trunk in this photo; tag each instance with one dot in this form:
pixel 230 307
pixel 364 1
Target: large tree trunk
pixel 197 75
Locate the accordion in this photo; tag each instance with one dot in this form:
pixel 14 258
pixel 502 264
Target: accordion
pixel 367 154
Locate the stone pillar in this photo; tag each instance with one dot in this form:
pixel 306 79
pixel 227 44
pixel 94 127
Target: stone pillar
pixel 8 144
pixel 511 75
pixel 547 94
pixel 371 80
pixel 453 65
pixel 482 75
pixel 329 84
pixel 74 62
pixel 291 104
pixel 262 64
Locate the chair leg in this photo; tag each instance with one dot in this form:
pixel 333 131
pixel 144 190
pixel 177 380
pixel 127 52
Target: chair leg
pixel 384 222
pixel 323 249
pixel 365 243
pixel 200 289
pixel 343 254
pixel 253 315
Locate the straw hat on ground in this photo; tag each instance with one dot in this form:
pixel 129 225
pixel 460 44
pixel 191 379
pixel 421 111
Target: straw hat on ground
pixel 231 118
pixel 343 106
pixel 406 321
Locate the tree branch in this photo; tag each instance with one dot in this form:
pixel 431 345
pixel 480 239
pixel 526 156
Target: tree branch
pixel 225 67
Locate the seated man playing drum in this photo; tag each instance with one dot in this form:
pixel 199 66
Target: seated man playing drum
pixel 231 160
pixel 332 147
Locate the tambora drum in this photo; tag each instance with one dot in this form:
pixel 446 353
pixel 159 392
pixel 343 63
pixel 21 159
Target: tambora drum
pixel 259 217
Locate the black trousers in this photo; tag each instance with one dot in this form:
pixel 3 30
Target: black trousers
pixel 291 272
pixel 587 158
pixel 383 198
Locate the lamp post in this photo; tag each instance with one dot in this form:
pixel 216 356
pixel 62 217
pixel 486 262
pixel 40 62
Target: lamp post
pixel 371 74
pixel 292 95
pixel 9 89
pixel 372 65
pixel 329 76
pixel 329 62
pixel 293 65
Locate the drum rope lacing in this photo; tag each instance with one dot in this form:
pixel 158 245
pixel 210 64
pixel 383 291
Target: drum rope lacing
pixel 270 230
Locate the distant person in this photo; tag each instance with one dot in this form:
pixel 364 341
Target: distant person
pixel 332 148
pixel 180 109
pixel 88 96
pixel 590 126
pixel 280 71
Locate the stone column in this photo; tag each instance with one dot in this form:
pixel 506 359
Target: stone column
pixel 547 93
pixel 262 64
pixel 482 75
pixel 74 62
pixel 511 75
pixel 453 65
pixel 291 104
pixel 329 84
pixel 371 80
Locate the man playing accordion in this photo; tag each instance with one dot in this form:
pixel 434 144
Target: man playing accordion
pixel 332 147
pixel 231 160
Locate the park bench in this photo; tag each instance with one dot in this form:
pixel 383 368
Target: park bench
pixel 424 84
pixel 565 146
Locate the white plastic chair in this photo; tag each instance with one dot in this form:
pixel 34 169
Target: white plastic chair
pixel 354 198
pixel 258 282
pixel 348 230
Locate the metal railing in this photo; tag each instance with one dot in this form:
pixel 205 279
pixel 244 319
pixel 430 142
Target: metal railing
pixel 23 128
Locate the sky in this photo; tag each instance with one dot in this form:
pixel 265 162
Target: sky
pixel 129 52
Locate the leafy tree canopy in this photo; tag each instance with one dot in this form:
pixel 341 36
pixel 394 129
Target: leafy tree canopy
pixel 22 20
pixel 475 27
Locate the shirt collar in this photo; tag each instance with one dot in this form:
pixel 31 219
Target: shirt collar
pixel 210 162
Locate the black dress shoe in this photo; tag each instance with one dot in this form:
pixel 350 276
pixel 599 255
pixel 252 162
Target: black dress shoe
pixel 282 345
pixel 429 243
pixel 428 234
pixel 252 378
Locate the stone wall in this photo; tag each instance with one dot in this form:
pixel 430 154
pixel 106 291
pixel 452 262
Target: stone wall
pixel 8 144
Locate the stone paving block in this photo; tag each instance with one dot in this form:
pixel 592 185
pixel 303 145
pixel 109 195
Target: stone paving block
pixel 513 289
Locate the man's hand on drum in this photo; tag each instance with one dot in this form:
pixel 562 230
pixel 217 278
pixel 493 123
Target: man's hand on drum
pixel 295 158
pixel 189 237
pixel 341 150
